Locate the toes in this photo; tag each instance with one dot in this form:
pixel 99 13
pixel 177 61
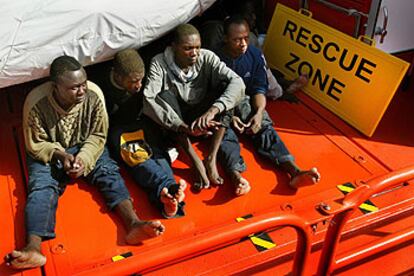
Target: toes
pixel 183 184
pixel 316 174
pixel 157 227
pixel 198 186
pixel 164 192
pixel 243 187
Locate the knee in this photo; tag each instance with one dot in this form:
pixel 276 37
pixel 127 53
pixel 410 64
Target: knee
pixel 44 193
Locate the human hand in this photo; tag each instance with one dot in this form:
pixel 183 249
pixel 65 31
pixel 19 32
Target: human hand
pixel 65 159
pixel 255 123
pixel 238 124
pixel 78 168
pixel 205 121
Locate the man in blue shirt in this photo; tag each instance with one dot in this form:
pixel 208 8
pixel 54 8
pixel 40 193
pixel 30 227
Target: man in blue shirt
pixel 250 116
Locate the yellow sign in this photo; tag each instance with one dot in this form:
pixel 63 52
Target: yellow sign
pixel 352 79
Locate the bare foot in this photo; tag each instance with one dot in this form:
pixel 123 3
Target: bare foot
pixel 241 184
pixel 171 200
pixel 180 195
pixel 26 258
pixel 298 84
pixel 305 178
pixel 203 181
pixel 212 172
pixel 170 203
pixel 143 230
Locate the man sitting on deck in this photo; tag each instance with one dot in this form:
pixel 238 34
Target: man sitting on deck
pixel 190 92
pixel 65 127
pixel 250 116
pixel 149 162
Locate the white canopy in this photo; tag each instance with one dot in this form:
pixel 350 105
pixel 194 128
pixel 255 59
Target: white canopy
pixel 34 32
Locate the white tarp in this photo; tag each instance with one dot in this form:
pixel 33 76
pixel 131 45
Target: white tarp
pixel 34 32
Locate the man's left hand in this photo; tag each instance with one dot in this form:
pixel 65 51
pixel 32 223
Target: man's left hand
pixel 255 123
pixel 205 121
pixel 78 168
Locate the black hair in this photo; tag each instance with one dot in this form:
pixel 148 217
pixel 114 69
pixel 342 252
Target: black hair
pixel 183 30
pixel 62 64
pixel 128 61
pixel 236 19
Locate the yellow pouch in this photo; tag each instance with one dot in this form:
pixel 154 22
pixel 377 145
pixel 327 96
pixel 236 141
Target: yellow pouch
pixel 134 149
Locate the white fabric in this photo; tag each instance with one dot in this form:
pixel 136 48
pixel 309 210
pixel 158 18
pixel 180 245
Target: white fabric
pixel 34 32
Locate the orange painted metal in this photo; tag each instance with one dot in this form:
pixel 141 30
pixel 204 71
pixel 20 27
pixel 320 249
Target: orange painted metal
pixel 88 236
pixel 215 239
pixel 350 205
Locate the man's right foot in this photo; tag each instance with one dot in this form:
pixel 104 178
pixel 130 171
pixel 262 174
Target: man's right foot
pixel 170 201
pixel 241 184
pixel 143 230
pixel 212 172
pixel 305 178
pixel 26 258
pixel 203 181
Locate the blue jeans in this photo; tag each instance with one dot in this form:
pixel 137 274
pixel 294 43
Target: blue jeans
pixel 266 142
pixel 155 173
pixel 48 181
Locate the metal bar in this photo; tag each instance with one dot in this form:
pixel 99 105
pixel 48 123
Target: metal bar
pixel 217 238
pixel 350 12
pixel 372 18
pixel 304 4
pixel 375 247
pixel 351 203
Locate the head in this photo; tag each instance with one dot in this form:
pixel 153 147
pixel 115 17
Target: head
pixel 245 8
pixel 69 80
pixel 236 36
pixel 186 45
pixel 129 70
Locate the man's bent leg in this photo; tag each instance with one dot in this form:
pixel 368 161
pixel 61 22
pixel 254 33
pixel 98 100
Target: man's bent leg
pixel 233 162
pixel 109 181
pixel 43 194
pixel 211 160
pixel 270 146
pixel 202 178
pixel 156 176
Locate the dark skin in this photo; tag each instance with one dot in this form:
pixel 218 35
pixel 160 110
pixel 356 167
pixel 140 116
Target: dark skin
pixel 186 53
pixel 236 43
pixel 70 89
pixel 131 82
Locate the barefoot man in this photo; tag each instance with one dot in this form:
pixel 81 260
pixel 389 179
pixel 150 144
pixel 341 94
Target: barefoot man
pixel 191 92
pixel 250 117
pixel 65 127
pixel 143 149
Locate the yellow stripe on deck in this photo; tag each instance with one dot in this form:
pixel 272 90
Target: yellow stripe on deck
pixel 262 243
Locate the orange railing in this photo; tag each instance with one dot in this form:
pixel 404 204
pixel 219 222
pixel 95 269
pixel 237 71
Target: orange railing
pixel 217 238
pixel 327 263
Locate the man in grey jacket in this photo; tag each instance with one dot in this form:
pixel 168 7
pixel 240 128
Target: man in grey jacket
pixel 191 93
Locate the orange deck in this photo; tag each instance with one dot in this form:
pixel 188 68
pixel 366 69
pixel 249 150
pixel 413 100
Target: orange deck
pixel 87 236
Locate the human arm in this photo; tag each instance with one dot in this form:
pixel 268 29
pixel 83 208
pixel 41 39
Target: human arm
pixel 154 106
pixel 38 142
pixel 206 121
pixel 258 103
pixel 238 124
pixel 257 89
pixel 93 146
pixel 234 91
